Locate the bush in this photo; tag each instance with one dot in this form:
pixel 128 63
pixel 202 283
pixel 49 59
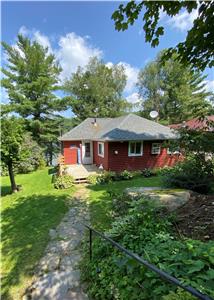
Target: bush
pixel 126 175
pixel 33 156
pixel 147 173
pixel 106 177
pixel 143 230
pixel 41 164
pixel 64 182
pixel 92 179
pixel 194 173
pixel 120 203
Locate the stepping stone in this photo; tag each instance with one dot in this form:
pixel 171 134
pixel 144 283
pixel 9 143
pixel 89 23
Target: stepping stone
pixel 55 285
pixel 70 262
pixel 49 262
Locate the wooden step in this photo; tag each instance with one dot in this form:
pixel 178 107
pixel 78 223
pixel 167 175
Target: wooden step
pixel 80 180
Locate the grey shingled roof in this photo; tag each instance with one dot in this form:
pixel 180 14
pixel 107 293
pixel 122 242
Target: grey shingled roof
pixel 125 128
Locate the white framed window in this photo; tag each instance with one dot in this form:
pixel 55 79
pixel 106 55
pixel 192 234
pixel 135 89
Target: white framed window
pixel 101 149
pixel 156 148
pixel 135 149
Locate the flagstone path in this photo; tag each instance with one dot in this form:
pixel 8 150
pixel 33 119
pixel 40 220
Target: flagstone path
pixel 58 274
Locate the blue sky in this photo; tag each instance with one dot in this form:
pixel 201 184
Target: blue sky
pixel 75 31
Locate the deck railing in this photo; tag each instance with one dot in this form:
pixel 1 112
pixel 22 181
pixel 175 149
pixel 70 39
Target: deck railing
pixel 162 274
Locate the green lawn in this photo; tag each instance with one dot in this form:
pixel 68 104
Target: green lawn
pixel 27 217
pixel 100 200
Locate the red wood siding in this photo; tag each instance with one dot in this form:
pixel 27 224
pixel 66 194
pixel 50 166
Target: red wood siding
pixel 70 154
pixel 121 161
pixel 98 160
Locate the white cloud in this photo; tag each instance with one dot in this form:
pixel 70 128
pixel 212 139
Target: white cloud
pixel 24 31
pixel 184 20
pixel 75 51
pixel 43 40
pixel 209 85
pixel 134 98
pixel 132 76
pixel 4 96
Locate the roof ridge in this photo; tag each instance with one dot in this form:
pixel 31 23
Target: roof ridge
pixel 125 118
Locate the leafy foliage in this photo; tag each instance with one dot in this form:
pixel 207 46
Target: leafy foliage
pixel 193 173
pixel 92 179
pixel 64 182
pixel 106 177
pixel 12 136
pixel 126 175
pixel 97 90
pixel 33 158
pixel 147 173
pixel 144 230
pixel 173 90
pixel 192 50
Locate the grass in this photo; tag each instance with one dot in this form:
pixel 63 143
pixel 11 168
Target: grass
pixel 27 217
pixel 101 202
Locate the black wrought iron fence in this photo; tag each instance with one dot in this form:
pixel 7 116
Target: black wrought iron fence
pixel 162 274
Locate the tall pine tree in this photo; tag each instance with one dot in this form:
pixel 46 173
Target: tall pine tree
pixel 175 91
pixel 31 79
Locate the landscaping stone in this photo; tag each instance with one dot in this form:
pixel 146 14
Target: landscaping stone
pixel 49 262
pixel 171 199
pixel 57 274
pixel 52 233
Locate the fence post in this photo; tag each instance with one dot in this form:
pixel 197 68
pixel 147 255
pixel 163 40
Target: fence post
pixel 90 244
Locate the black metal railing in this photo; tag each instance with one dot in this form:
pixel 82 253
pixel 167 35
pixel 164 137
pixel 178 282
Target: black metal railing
pixel 145 263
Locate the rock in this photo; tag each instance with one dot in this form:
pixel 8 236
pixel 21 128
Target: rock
pixel 49 262
pixel 52 233
pixel 161 197
pixel 70 262
pixel 55 285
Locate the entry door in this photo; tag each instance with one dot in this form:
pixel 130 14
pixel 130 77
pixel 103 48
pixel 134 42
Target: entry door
pixel 87 152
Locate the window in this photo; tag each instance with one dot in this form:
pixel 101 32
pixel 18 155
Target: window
pixel 87 150
pixel 101 149
pixel 156 148
pixel 135 149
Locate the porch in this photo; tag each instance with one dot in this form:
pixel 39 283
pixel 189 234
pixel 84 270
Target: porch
pixel 81 172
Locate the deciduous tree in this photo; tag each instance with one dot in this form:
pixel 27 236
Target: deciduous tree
pixel 96 90
pixel 198 46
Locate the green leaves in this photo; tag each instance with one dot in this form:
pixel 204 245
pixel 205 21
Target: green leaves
pixel 196 50
pixel 97 90
pixel 172 89
pixel 142 230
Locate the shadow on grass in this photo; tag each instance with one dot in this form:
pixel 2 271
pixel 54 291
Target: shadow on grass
pixel 5 190
pixel 25 234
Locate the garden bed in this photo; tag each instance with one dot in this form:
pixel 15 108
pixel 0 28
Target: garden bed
pixel 195 218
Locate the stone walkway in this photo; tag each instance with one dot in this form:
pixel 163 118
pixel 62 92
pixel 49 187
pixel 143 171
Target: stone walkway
pixel 58 274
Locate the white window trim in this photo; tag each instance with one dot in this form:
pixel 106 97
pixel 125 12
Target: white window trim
pixel 159 151
pixel 141 148
pixel 101 155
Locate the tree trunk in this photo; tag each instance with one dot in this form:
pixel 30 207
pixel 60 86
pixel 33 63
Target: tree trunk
pixel 51 154
pixel 12 178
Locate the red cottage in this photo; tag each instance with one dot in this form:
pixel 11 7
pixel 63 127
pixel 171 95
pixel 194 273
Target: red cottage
pixel 124 143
